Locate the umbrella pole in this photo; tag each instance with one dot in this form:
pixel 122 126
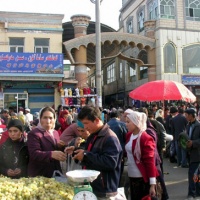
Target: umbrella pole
pixel 163 101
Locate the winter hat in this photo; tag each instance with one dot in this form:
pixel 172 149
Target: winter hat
pixel 80 124
pixel 15 123
pixel 173 110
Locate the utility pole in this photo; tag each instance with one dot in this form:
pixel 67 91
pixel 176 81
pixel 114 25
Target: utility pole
pixel 98 52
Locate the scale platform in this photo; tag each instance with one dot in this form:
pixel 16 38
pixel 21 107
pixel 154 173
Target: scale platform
pixel 82 176
pixel 82 179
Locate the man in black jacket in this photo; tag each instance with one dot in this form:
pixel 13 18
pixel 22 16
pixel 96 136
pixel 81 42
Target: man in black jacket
pixel 193 146
pixel 178 125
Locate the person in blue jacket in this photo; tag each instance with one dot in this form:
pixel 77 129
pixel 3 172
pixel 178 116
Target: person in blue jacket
pixel 103 153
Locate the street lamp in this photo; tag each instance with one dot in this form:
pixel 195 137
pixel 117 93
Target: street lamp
pixel 98 52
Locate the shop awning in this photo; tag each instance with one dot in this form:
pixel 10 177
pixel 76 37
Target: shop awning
pixel 31 77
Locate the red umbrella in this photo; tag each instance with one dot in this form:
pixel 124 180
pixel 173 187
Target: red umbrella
pixel 162 90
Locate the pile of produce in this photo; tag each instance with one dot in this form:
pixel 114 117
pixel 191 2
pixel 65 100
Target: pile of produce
pixel 38 188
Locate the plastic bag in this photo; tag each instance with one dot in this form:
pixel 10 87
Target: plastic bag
pixel 59 176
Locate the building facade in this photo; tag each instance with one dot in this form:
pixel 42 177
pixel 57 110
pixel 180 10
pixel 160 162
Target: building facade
pixel 156 40
pixel 175 27
pixel 31 60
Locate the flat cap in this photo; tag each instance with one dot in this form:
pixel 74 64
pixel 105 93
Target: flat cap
pixel 190 111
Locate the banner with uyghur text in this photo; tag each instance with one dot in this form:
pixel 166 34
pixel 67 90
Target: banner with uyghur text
pixel 43 63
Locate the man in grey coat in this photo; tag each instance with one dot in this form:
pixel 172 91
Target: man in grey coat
pixel 193 146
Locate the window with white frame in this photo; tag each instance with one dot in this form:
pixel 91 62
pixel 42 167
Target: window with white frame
pixel 41 45
pixel 16 44
pixel 192 8
pixel 132 71
pixel 141 20
pixel 191 59
pixel 111 73
pixel 167 9
pixel 169 58
pixel 120 70
pixel 129 24
pixel 153 9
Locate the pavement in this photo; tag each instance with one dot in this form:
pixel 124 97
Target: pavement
pixel 176 180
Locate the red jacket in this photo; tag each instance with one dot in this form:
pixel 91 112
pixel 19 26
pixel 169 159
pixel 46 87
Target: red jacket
pixel 4 137
pixel 63 123
pixel 147 162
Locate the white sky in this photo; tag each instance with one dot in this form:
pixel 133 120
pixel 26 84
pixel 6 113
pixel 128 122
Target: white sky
pixel 109 9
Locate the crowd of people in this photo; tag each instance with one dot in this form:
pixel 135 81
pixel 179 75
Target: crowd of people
pixel 104 140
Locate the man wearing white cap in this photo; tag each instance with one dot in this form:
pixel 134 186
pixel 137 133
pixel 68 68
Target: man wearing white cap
pixel 29 119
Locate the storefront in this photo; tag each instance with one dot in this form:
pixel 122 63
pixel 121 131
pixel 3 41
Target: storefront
pixel 192 82
pixel 33 95
pixel 29 80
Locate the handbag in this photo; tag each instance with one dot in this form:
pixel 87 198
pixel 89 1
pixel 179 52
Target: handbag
pixel 159 190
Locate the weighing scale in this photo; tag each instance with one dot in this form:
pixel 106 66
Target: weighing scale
pixel 81 180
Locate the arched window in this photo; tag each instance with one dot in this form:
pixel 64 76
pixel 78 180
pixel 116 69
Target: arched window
pixel 167 9
pixel 191 59
pixel 192 8
pixel 169 58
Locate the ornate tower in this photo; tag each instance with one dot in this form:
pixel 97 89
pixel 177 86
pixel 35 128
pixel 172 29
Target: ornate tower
pixel 80 23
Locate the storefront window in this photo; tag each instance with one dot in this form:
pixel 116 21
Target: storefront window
pixel 15 100
pixel 191 59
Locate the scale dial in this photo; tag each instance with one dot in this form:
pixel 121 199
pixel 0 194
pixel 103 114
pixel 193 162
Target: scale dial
pixel 85 195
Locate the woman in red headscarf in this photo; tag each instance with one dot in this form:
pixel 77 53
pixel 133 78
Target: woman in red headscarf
pixel 63 119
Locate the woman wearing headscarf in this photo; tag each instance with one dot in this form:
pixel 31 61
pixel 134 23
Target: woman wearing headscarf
pixel 63 119
pixel 45 146
pixel 14 152
pixel 140 148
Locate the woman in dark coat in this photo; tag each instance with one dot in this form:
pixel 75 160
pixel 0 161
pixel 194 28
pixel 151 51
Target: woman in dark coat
pixel 44 146
pixel 14 152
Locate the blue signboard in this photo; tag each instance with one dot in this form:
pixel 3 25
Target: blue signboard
pixel 43 63
pixel 190 80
